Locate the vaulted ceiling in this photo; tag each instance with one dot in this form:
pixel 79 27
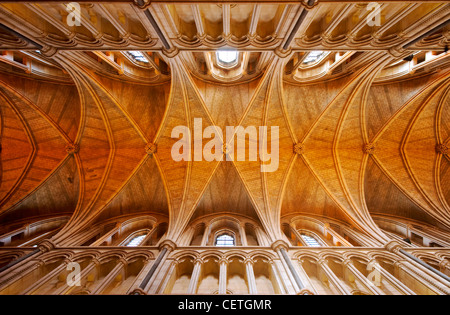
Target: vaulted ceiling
pixel 85 127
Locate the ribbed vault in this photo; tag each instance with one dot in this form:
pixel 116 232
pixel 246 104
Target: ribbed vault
pixel 86 130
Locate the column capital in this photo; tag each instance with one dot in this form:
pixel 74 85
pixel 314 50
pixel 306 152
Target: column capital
pixel 393 246
pixel 279 244
pixel 223 260
pixel 305 291
pixel 169 244
pixel 142 4
pixel 49 51
pixel 444 263
pixel 198 260
pixel 347 262
pixel 282 53
pixel 249 261
pixel 137 291
pixel 46 246
pixel 309 4
pixel 171 53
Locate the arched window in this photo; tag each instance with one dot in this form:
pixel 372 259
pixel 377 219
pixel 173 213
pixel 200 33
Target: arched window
pixel 227 58
pixel 225 240
pixel 313 56
pixel 310 241
pixel 138 56
pixel 135 241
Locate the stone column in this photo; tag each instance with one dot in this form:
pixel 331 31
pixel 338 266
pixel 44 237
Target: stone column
pixel 432 283
pixel 309 289
pixel 384 274
pixel 444 265
pixel 371 286
pixel 110 277
pixel 280 247
pixel 192 289
pixel 65 288
pixel 205 235
pixel 333 278
pixel 148 236
pixel 276 274
pixel 260 237
pixel 167 277
pixel 166 247
pixel 243 235
pixel 44 279
pixel 250 276
pixel 105 237
pixel 223 263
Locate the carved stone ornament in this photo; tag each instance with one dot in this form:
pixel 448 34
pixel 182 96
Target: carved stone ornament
pixel 442 149
pixel 150 148
pixel 299 148
pixel 72 148
pixel 369 148
pixel 226 149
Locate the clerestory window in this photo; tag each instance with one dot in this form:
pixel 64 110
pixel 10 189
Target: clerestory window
pixel 138 56
pixel 135 241
pixel 313 56
pixel 225 240
pixel 310 241
pixel 227 58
